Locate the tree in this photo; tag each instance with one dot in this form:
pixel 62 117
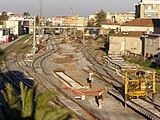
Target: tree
pixel 4 16
pixel 26 14
pixel 111 32
pixel 12 101
pixel 31 106
pixel 101 17
pixel 91 23
pixel 37 20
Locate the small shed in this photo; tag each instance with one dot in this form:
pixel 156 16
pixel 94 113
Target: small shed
pixel 125 41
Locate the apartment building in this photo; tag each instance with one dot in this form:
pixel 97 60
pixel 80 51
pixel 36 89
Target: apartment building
pixel 122 17
pixel 57 20
pixel 70 20
pixel 147 9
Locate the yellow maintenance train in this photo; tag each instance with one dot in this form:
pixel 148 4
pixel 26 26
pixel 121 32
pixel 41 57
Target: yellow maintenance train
pixel 139 83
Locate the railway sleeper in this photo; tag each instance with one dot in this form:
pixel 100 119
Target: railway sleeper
pixel 143 111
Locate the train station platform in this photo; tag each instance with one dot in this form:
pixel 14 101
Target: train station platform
pixel 5 45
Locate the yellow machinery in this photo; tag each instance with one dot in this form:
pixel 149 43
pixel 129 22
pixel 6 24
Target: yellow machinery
pixel 139 84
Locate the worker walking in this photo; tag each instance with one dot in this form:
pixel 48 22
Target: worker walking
pixel 100 99
pixel 89 82
pixel 90 79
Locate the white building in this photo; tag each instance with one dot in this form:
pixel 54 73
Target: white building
pixel 57 20
pixel 19 25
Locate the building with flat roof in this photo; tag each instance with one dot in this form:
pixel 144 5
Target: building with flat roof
pixel 122 17
pixel 123 42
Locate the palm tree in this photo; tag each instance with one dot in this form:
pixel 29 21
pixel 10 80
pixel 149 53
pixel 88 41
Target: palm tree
pixel 101 17
pixel 32 106
pixel 12 103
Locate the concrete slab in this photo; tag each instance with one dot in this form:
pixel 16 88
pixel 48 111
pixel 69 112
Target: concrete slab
pixel 72 82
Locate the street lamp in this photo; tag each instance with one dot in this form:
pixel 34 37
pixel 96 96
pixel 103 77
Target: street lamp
pixel 125 34
pixel 34 36
pixel 39 24
pixel 83 31
pixel 144 43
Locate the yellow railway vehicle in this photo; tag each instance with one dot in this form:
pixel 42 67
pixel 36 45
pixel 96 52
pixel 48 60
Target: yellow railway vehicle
pixel 138 84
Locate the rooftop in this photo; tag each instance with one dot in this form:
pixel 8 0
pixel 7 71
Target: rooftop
pixel 143 22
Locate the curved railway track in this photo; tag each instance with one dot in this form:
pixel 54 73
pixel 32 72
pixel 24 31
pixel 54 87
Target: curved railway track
pixel 104 74
pixel 8 74
pixel 40 75
pixel 78 108
pixel 36 70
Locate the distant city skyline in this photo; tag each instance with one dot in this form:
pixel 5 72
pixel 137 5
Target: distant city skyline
pixel 52 8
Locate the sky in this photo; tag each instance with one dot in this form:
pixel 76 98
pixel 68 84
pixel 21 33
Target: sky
pixel 52 8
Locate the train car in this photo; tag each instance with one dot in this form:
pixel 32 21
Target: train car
pixel 138 84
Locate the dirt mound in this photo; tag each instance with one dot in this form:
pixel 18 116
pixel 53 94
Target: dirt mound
pixel 67 59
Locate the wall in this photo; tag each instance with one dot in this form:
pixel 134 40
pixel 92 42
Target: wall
pixel 151 46
pixel 136 28
pixel 117 44
pixel 14 25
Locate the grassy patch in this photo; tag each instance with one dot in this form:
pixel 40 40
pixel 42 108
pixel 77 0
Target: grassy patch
pixel 158 85
pixel 145 64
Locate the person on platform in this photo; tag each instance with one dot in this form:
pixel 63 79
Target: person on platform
pixel 100 99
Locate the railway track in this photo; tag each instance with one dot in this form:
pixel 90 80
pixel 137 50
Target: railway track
pixel 66 98
pixel 9 56
pixel 106 76
pixel 8 75
pixel 39 75
pixel 36 66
